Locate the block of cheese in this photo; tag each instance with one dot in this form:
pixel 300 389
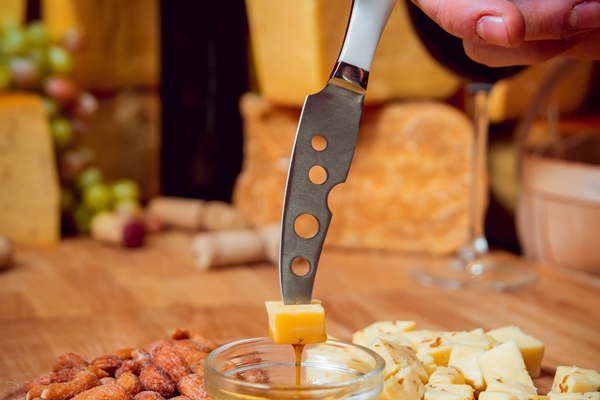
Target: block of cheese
pixel 390 330
pixel 122 40
pixel 29 187
pixel 297 323
pixel 531 348
pixel 464 356
pixel 476 337
pixel 449 392
pixel 504 363
pixel 509 396
pixel 436 344
pixel 397 357
pixel 574 396
pixel 295 46
pixel 12 11
pixel 404 384
pixel 447 375
pixel 407 189
pixel 573 379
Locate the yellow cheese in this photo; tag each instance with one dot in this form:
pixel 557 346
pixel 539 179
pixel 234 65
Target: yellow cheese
pixel 447 375
pixel 505 363
pixel 30 193
pixel 449 392
pixel 397 357
pixel 435 344
pixel 390 330
pixel 404 384
pixel 295 45
pixel 464 356
pixel 510 386
pixel 531 348
pixel 573 379
pixel 296 324
pixel 574 396
pixel 476 338
pixel 509 396
pixel 12 11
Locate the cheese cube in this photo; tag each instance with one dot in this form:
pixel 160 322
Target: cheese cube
pixel 405 384
pixel 391 330
pixel 427 362
pixel 449 392
pixel 573 379
pixel 476 337
pixel 296 324
pixel 397 357
pixel 487 395
pixel 508 385
pixel 464 356
pixel 447 375
pixel 505 363
pixel 574 396
pixel 531 348
pixel 436 344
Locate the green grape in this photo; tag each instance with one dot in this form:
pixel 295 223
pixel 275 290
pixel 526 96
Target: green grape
pixel 25 73
pixel 62 132
pixel 15 40
pixel 59 60
pixel 52 107
pixel 89 177
pixel 5 77
pixel 83 218
pixel 37 35
pixel 97 197
pixel 125 189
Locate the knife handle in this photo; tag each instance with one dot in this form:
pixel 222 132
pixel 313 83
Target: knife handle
pixel 366 25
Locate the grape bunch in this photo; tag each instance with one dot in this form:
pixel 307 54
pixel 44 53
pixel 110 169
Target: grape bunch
pixel 31 60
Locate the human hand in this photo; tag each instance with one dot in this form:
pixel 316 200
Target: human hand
pixel 520 32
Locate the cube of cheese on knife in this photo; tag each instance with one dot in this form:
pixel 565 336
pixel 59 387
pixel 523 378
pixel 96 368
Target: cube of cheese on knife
pixel 296 323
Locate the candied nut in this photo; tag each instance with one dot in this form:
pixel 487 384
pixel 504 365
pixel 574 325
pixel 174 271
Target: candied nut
pixel 212 344
pixel 100 373
pixel 35 386
pixel 156 379
pixel 130 383
pixel 109 363
pixel 180 333
pixel 141 357
pixel 104 392
pixel 192 386
pixel 172 362
pixel 148 395
pixel 108 380
pixel 68 360
pixel 35 391
pixel 123 353
pixel 82 381
pixel 129 366
pixel 191 345
pixel 42 380
pixel 180 397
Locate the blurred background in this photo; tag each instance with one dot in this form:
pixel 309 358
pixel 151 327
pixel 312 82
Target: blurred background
pixel 199 99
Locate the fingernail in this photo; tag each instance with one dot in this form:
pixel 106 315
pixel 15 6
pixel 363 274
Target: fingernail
pixel 492 29
pixel 585 15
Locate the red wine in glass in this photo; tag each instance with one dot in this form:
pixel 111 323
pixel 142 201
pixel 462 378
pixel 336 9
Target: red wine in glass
pixel 473 264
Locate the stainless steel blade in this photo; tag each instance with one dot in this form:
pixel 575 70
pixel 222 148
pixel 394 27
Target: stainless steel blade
pixel 334 114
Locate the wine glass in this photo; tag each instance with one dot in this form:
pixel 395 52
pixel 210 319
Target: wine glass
pixel 473 263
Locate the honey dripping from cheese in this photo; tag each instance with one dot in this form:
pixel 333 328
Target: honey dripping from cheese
pixel 298 348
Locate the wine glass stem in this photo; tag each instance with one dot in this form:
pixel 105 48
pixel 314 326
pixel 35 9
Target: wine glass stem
pixel 476 244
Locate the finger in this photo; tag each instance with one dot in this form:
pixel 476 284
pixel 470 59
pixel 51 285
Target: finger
pixel 588 48
pixel 497 22
pixel 558 19
pixel 528 53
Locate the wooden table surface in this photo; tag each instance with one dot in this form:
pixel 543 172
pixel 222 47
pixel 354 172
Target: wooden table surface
pixel 91 298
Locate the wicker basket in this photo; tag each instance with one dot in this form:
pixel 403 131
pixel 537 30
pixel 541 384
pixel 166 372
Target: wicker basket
pixel 558 209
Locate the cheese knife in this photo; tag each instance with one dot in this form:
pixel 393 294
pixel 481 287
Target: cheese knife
pixel 325 141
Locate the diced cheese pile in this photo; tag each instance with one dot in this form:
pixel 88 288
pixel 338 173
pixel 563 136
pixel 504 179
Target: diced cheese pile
pixel 494 365
pixel 296 323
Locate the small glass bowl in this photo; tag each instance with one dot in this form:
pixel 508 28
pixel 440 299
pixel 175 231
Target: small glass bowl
pixel 260 369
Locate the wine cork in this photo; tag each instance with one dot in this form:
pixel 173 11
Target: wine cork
pixel 178 212
pixel 242 246
pixel 118 229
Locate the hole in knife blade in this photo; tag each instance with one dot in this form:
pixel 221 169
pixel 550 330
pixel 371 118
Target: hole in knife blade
pixel 306 226
pixel 317 175
pixel 319 143
pixel 300 266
